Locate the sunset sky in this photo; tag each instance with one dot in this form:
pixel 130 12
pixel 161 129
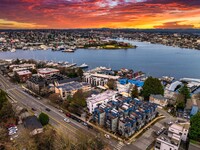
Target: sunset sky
pixel 99 13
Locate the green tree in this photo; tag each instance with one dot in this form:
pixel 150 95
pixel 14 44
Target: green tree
pixel 17 61
pixel 180 104
pixel 152 86
pixel 6 111
pixel 79 72
pixel 111 84
pixel 79 98
pixel 185 92
pixel 33 71
pixel 3 98
pixel 134 92
pixel 44 119
pixel 194 132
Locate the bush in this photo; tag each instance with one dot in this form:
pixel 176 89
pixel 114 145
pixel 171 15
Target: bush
pixel 44 119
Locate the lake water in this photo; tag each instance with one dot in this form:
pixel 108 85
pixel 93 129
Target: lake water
pixel 153 59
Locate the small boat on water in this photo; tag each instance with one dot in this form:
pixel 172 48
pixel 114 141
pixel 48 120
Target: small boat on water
pixel 68 50
pixel 13 50
pixel 84 65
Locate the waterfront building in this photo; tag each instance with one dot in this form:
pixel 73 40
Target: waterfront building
pixel 47 72
pixel 124 87
pixel 24 75
pixel 96 79
pixel 158 99
pixel 20 67
pixel 174 85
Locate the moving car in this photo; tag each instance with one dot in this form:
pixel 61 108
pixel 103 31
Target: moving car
pixel 107 136
pixel 67 120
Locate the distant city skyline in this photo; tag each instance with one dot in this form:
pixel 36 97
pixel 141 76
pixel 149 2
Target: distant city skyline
pixel 62 14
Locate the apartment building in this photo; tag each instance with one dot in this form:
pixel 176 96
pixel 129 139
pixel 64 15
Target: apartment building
pixel 102 98
pixel 96 79
pixel 124 115
pixel 70 88
pixel 171 139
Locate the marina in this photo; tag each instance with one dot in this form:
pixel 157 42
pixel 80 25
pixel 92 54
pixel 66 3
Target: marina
pixel 154 59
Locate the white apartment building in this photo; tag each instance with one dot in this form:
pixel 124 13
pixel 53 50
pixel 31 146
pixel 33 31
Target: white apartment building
pixel 181 129
pixel 97 79
pixel 171 139
pixel 102 98
pixel 20 67
pixel 163 142
pixel 47 72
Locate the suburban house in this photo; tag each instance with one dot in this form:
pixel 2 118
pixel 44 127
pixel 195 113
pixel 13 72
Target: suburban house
pixel 33 125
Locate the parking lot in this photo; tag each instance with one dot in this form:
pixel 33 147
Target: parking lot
pixel 147 137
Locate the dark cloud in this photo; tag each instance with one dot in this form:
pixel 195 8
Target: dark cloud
pixel 174 25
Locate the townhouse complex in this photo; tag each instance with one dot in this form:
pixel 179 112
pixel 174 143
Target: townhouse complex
pixel 122 115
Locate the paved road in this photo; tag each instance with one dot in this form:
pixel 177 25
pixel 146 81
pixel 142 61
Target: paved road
pixel 73 129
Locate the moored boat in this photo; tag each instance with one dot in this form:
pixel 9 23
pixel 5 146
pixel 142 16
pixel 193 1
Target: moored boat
pixel 84 65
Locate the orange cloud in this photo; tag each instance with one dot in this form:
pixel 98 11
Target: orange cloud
pixel 102 13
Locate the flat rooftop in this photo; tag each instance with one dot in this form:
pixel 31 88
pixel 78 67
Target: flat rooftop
pixel 47 70
pixel 24 72
pixel 101 97
pixel 174 140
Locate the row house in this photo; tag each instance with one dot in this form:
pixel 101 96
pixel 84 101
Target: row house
pixel 124 116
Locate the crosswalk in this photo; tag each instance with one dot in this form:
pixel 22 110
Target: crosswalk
pixel 119 146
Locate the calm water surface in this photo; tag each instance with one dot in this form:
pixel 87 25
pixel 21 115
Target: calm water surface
pixel 153 59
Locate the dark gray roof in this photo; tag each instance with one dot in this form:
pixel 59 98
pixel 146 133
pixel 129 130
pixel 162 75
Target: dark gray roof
pixel 68 80
pixel 32 123
pixel 74 85
pixel 160 97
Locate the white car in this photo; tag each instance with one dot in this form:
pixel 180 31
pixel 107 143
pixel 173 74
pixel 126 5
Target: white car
pixel 12 133
pixel 66 120
pixel 60 110
pixel 107 136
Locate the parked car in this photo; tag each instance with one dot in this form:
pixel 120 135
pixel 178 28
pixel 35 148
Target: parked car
pixel 10 125
pixel 60 110
pixel 89 126
pixel 160 131
pixel 68 114
pixel 84 123
pixel 33 109
pixel 47 109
